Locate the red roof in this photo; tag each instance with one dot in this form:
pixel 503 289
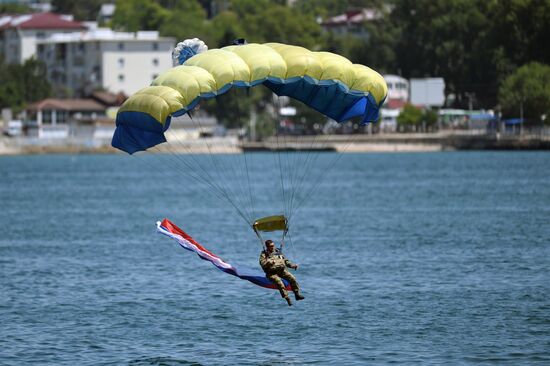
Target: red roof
pixel 355 16
pixel 395 103
pixel 39 21
pixel 109 99
pixel 67 105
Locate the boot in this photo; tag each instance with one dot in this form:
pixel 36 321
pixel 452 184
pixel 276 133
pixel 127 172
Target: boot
pixel 298 296
pixel 288 301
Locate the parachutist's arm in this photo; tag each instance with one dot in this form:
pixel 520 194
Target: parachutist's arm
pixel 289 264
pixel 263 260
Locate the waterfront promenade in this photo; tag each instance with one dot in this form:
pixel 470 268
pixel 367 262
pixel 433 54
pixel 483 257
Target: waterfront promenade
pixel 403 142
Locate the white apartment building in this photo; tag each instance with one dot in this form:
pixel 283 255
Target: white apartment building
pixel 19 34
pixel 398 88
pixel 101 58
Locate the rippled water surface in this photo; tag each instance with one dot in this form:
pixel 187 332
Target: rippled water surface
pixel 428 258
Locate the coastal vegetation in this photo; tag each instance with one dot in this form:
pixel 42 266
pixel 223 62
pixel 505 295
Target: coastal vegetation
pixel 481 48
pixel 22 84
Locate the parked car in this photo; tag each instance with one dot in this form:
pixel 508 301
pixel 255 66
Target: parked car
pixel 14 128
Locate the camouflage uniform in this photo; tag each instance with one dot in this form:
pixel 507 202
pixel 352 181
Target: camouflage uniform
pixel 274 265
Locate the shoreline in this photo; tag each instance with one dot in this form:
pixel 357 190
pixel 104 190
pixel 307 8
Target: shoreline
pixel 413 142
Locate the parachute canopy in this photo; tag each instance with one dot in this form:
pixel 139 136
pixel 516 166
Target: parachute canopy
pixel 326 82
pixel 271 223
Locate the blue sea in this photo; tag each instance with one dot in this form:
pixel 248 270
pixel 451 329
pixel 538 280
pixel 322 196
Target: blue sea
pixel 412 258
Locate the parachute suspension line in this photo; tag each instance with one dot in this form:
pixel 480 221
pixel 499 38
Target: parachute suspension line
pixel 143 160
pixel 301 164
pixel 240 165
pixel 278 152
pixel 329 168
pixel 296 163
pixel 216 190
pixel 287 156
pixel 245 166
pixel 177 162
pixel 205 176
pixel 310 159
pixel 259 236
pixel 251 193
pixel 291 246
pixel 197 170
pixel 218 169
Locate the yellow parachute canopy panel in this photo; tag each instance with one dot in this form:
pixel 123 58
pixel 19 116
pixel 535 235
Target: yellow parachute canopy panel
pixel 326 82
pixel 271 223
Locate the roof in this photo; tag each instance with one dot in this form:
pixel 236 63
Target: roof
pixel 109 99
pixel 355 16
pixel 39 21
pixel 71 105
pixel 395 103
pixel 106 35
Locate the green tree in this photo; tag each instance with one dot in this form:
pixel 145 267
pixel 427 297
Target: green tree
pixel 429 119
pixel 134 15
pixel 14 9
pixel 519 29
pixel 529 89
pixel 224 28
pixel 410 118
pixel 22 84
pixel 265 21
pixel 187 19
pixel 447 38
pixel 82 10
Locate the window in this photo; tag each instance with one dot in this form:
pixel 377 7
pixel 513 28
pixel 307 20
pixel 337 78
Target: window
pixel 46 117
pixel 61 116
pixel 155 62
pixel 40 35
pixel 154 76
pixel 120 63
pixel 121 46
pixel 155 46
pixel 121 78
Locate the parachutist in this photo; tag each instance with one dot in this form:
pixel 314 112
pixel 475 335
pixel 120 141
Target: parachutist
pixel 274 264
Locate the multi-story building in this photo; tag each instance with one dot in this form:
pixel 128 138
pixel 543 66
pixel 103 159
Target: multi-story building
pixel 351 22
pixel 398 96
pixel 398 88
pixel 104 59
pixel 19 34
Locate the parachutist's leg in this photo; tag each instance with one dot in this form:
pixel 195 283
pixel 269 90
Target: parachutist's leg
pixel 280 285
pixel 293 284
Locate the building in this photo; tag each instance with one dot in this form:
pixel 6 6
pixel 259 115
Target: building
pixel 398 96
pixel 62 118
pixel 81 62
pixel 398 88
pixel 92 117
pixel 427 92
pixel 37 5
pixel 106 13
pixel 351 22
pixel 20 34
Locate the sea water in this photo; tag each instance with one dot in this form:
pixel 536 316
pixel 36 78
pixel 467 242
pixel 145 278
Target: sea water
pixel 426 258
